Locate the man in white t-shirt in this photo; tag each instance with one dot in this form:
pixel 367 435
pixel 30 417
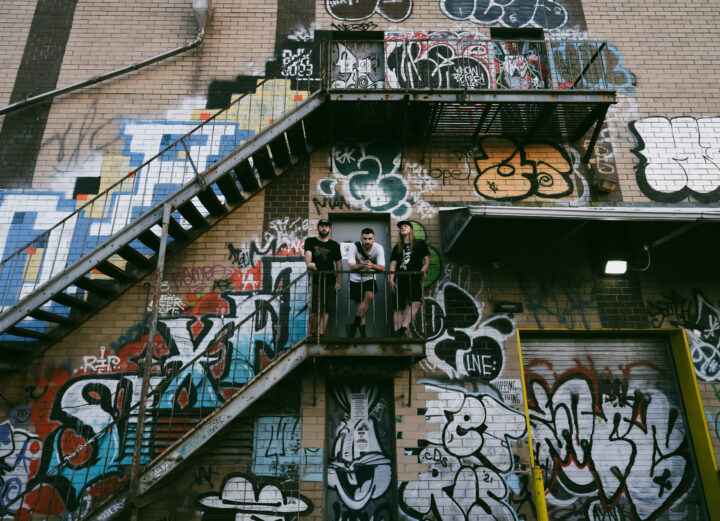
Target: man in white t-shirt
pixel 366 259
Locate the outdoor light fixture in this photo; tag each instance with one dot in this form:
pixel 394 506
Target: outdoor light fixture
pixel 615 267
pixel 505 306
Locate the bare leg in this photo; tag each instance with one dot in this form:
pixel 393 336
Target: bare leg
pixel 364 306
pixel 313 323
pixel 323 324
pixel 414 307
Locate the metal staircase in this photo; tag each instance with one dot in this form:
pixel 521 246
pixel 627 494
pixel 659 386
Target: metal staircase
pixel 107 451
pixel 58 280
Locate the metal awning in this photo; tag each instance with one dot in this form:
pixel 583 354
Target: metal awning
pixel 515 229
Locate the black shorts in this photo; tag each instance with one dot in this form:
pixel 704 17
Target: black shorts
pixel 358 289
pixel 409 289
pixel 324 287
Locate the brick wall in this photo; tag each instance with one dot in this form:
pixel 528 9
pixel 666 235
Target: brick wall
pixel 470 382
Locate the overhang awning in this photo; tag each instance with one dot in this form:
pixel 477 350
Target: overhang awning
pixel 522 229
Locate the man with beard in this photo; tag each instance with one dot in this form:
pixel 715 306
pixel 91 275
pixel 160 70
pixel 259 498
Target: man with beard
pixel 323 259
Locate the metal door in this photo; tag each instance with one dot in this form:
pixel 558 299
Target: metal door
pixel 346 229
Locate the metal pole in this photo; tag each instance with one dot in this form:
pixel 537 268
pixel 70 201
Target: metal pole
pixel 149 348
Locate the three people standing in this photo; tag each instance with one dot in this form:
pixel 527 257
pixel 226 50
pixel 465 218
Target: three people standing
pixel 366 260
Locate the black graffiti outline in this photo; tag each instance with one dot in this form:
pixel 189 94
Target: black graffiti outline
pixel 649 191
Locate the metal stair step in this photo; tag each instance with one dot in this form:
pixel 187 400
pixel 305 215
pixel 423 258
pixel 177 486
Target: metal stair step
pixel 95 286
pixel 296 139
pixel 192 215
pixel 210 201
pixel 28 333
pixel 150 240
pixel 281 152
pixel 176 231
pixel 264 165
pixel 246 176
pixel 230 189
pixel 111 270
pixel 133 256
pixel 47 316
pixel 73 302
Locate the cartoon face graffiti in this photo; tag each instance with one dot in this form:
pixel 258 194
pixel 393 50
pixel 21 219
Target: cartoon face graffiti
pixel 359 470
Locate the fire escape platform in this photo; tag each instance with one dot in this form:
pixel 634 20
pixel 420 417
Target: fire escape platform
pixel 561 115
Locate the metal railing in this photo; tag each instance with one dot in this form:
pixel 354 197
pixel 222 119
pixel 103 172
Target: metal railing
pixel 182 159
pixel 377 306
pixel 467 63
pixel 182 393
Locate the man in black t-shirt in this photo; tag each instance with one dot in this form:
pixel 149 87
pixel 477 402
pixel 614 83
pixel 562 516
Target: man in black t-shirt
pixel 322 254
pixel 409 254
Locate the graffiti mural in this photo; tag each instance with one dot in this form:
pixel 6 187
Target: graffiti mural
pixel 518 65
pixel 679 158
pixel 241 498
pixel 369 177
pixel 547 14
pixel 437 60
pixel 569 59
pixel 393 10
pixel 70 418
pixel 277 451
pixel 360 467
pixel 470 463
pixel 357 65
pixel 460 342
pixel 509 171
pixel 19 455
pixel 609 441
pixel 701 320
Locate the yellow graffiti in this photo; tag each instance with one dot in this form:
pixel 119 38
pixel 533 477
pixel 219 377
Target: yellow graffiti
pixel 508 171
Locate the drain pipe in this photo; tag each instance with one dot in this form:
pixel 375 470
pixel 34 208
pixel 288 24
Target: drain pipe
pixel 202 14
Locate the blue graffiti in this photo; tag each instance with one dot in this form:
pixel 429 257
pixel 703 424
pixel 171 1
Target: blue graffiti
pixel 569 59
pixel 28 214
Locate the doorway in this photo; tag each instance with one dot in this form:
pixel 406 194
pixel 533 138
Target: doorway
pixel 346 230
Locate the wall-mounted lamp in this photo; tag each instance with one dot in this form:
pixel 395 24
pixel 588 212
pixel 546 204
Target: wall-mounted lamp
pixel 605 185
pixel 506 306
pixel 616 267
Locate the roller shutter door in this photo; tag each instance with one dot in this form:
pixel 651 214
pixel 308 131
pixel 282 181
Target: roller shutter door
pixel 608 428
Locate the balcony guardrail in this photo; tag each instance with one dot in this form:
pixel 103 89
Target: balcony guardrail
pixel 401 62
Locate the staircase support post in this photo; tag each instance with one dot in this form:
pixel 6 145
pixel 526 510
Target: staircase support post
pixel 149 349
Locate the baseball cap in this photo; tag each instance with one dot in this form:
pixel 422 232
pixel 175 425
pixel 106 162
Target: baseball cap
pixel 400 223
pixel 324 222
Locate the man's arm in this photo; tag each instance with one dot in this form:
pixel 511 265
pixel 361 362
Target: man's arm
pixel 380 266
pixel 308 261
pixel 353 256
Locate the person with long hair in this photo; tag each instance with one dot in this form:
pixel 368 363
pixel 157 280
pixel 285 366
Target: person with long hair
pixel 408 255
